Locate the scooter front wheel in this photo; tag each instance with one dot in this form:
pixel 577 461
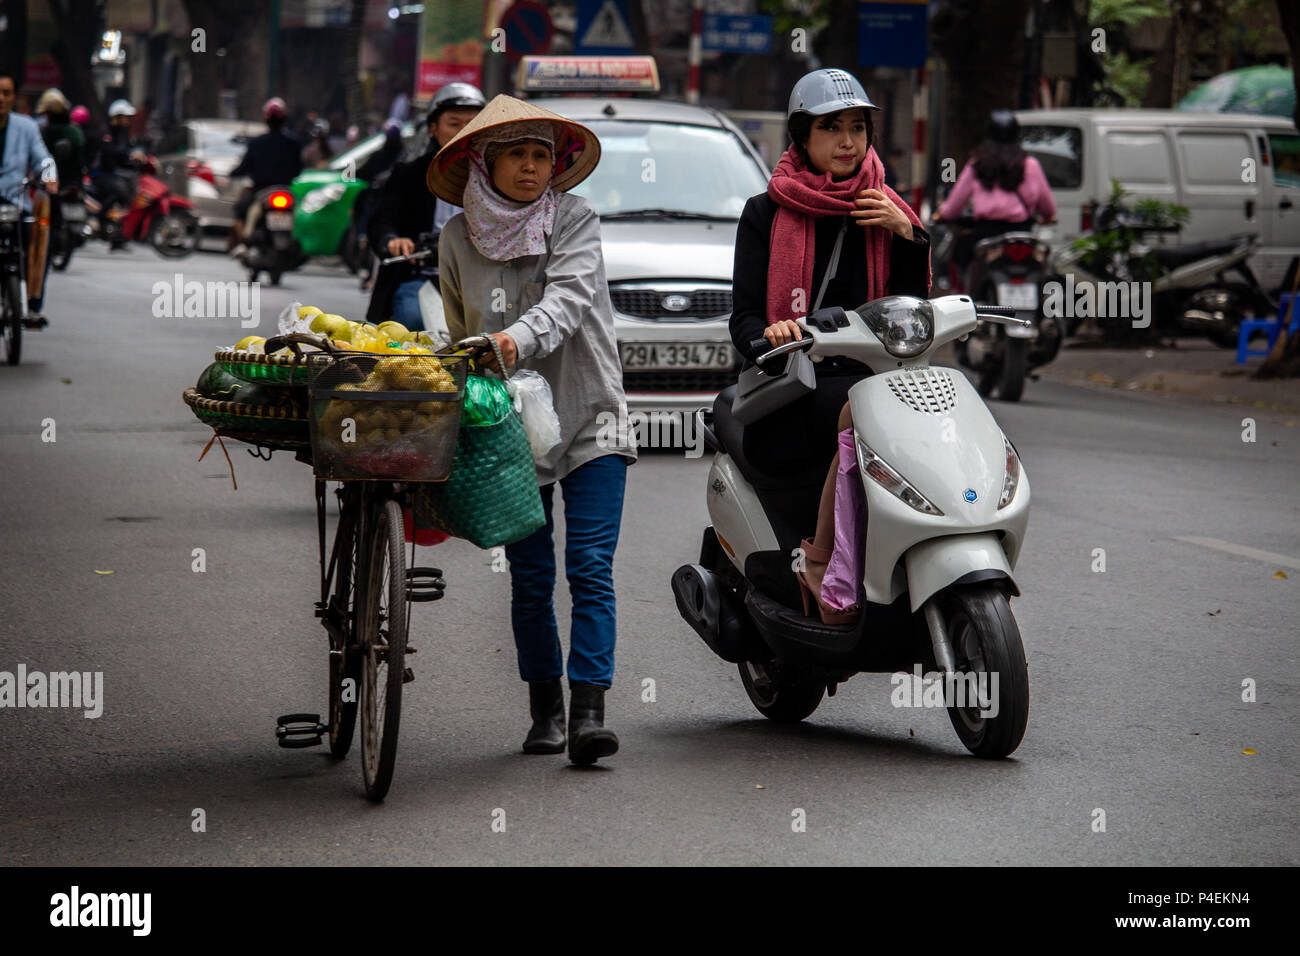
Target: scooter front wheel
pixel 995 697
pixel 778 694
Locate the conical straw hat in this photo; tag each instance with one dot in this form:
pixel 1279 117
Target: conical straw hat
pixel 579 147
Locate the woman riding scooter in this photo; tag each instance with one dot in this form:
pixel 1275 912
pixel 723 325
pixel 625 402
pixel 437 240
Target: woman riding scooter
pixel 1004 186
pixel 828 232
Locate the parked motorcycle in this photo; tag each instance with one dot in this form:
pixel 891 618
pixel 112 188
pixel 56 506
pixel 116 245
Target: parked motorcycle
pixel 1009 270
pixel 947 504
pixel 1192 287
pixel 155 216
pixel 271 247
pixel 69 234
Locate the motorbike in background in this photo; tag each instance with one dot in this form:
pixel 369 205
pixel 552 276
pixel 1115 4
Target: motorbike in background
pixel 154 216
pixel 1202 288
pixel 431 313
pixel 69 233
pixel 270 246
pixel 1007 270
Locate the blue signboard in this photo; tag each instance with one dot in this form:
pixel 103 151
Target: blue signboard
pixel 892 33
pixel 603 27
pixel 751 34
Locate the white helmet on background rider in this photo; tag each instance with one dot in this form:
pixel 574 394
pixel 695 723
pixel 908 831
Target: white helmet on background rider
pixel 455 96
pixel 120 108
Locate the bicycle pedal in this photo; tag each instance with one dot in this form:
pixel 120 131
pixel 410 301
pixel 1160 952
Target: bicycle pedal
pixel 424 584
pixel 299 730
pixel 408 675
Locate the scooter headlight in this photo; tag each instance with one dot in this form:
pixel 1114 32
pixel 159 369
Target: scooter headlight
pixel 318 199
pixel 878 471
pixel 1012 479
pixel 903 323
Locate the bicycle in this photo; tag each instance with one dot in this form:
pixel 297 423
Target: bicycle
pixel 367 588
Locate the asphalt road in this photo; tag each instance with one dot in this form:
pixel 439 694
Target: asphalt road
pixel 1136 672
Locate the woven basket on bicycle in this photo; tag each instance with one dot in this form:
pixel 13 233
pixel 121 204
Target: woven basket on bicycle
pixel 389 417
pixel 259 368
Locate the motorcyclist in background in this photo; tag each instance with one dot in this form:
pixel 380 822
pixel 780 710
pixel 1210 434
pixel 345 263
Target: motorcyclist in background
pixel 22 153
pixel 406 208
pixel 1004 186
pixel 115 178
pixel 272 159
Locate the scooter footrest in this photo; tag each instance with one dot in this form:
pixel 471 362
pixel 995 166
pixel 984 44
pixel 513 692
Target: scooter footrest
pixel 296 731
pixel 424 584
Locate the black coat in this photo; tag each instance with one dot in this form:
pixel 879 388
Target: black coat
pixel 272 159
pixel 404 210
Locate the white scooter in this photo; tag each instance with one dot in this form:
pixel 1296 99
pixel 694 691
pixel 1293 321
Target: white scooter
pixel 947 503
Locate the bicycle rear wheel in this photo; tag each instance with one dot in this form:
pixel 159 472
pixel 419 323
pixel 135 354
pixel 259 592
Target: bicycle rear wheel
pixel 381 637
pixel 345 660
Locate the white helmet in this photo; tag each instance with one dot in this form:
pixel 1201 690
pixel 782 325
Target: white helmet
pixel 120 108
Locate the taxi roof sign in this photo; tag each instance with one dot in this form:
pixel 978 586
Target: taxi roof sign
pixel 588 74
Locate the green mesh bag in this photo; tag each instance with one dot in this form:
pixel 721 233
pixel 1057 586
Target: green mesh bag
pixel 491 497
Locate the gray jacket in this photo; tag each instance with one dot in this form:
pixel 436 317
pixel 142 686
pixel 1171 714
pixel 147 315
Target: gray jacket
pixel 556 308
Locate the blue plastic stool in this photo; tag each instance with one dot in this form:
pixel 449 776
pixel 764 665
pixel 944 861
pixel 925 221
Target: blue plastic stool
pixel 1270 327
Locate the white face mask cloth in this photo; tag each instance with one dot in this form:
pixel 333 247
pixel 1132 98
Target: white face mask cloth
pixel 501 228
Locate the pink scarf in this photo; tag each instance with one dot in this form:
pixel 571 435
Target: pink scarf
pixel 802 193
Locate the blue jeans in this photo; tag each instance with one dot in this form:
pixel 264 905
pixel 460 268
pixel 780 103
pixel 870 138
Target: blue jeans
pixel 593 511
pixel 406 305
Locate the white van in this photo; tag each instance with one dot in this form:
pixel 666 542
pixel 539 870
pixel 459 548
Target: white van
pixel 1236 172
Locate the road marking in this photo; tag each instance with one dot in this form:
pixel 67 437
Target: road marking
pixel 1268 557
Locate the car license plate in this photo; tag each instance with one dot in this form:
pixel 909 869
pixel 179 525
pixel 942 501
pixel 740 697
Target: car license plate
pixel 671 355
pixel 279 220
pixel 1018 295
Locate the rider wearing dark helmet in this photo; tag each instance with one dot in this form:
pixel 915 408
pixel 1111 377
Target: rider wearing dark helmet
pixel 1004 186
pixel 272 159
pixel 406 209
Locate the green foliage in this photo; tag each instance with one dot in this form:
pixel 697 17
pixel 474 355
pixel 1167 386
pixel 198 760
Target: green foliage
pixel 1127 78
pixel 1125 13
pixel 1118 225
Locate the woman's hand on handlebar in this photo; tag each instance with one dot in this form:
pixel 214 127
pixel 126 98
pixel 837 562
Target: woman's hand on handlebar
pixel 779 333
pixel 400 247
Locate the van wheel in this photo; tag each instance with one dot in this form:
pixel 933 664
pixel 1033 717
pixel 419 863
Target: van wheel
pixel 779 694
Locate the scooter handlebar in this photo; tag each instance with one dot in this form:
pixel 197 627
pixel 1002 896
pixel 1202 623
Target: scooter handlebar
pixel 1003 314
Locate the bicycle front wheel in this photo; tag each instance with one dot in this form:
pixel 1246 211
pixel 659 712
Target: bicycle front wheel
pixel 381 626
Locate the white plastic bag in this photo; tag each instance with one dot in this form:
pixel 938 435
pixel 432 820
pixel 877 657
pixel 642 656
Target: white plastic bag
pixel 531 395
pixel 288 320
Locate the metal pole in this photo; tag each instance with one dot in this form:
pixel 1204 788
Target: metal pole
pixel 694 54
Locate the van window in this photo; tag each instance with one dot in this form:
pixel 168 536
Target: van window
pixel 1059 150
pixel 1285 148
pixel 1139 158
pixel 1214 158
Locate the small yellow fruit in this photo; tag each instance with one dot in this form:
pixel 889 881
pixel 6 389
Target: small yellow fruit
pixel 395 330
pixel 308 311
pixel 248 341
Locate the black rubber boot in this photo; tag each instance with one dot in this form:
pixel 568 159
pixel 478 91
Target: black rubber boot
pixel 546 703
pixel 589 739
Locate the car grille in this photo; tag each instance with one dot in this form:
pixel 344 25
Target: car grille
pixel 701 380
pixel 927 390
pixel 649 303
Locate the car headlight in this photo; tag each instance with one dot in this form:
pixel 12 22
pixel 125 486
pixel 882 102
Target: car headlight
pixel 875 468
pixel 318 199
pixel 9 213
pixel 904 323
pixel 1012 479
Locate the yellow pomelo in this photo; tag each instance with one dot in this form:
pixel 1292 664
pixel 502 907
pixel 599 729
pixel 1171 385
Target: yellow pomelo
pixel 250 340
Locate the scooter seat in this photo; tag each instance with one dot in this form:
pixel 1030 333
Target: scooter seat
pixel 1173 256
pixel 731 435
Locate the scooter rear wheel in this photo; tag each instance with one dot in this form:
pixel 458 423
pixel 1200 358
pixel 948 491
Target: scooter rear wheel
pixel 986 640
pixel 779 695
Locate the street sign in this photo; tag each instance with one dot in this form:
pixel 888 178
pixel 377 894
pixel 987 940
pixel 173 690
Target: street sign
pixel 751 34
pixel 528 28
pixel 603 28
pixel 892 33
pixel 627 74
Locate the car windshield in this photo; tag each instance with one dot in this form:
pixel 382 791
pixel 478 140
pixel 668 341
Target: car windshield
pixel 670 168
pixel 215 142
pixel 412 146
